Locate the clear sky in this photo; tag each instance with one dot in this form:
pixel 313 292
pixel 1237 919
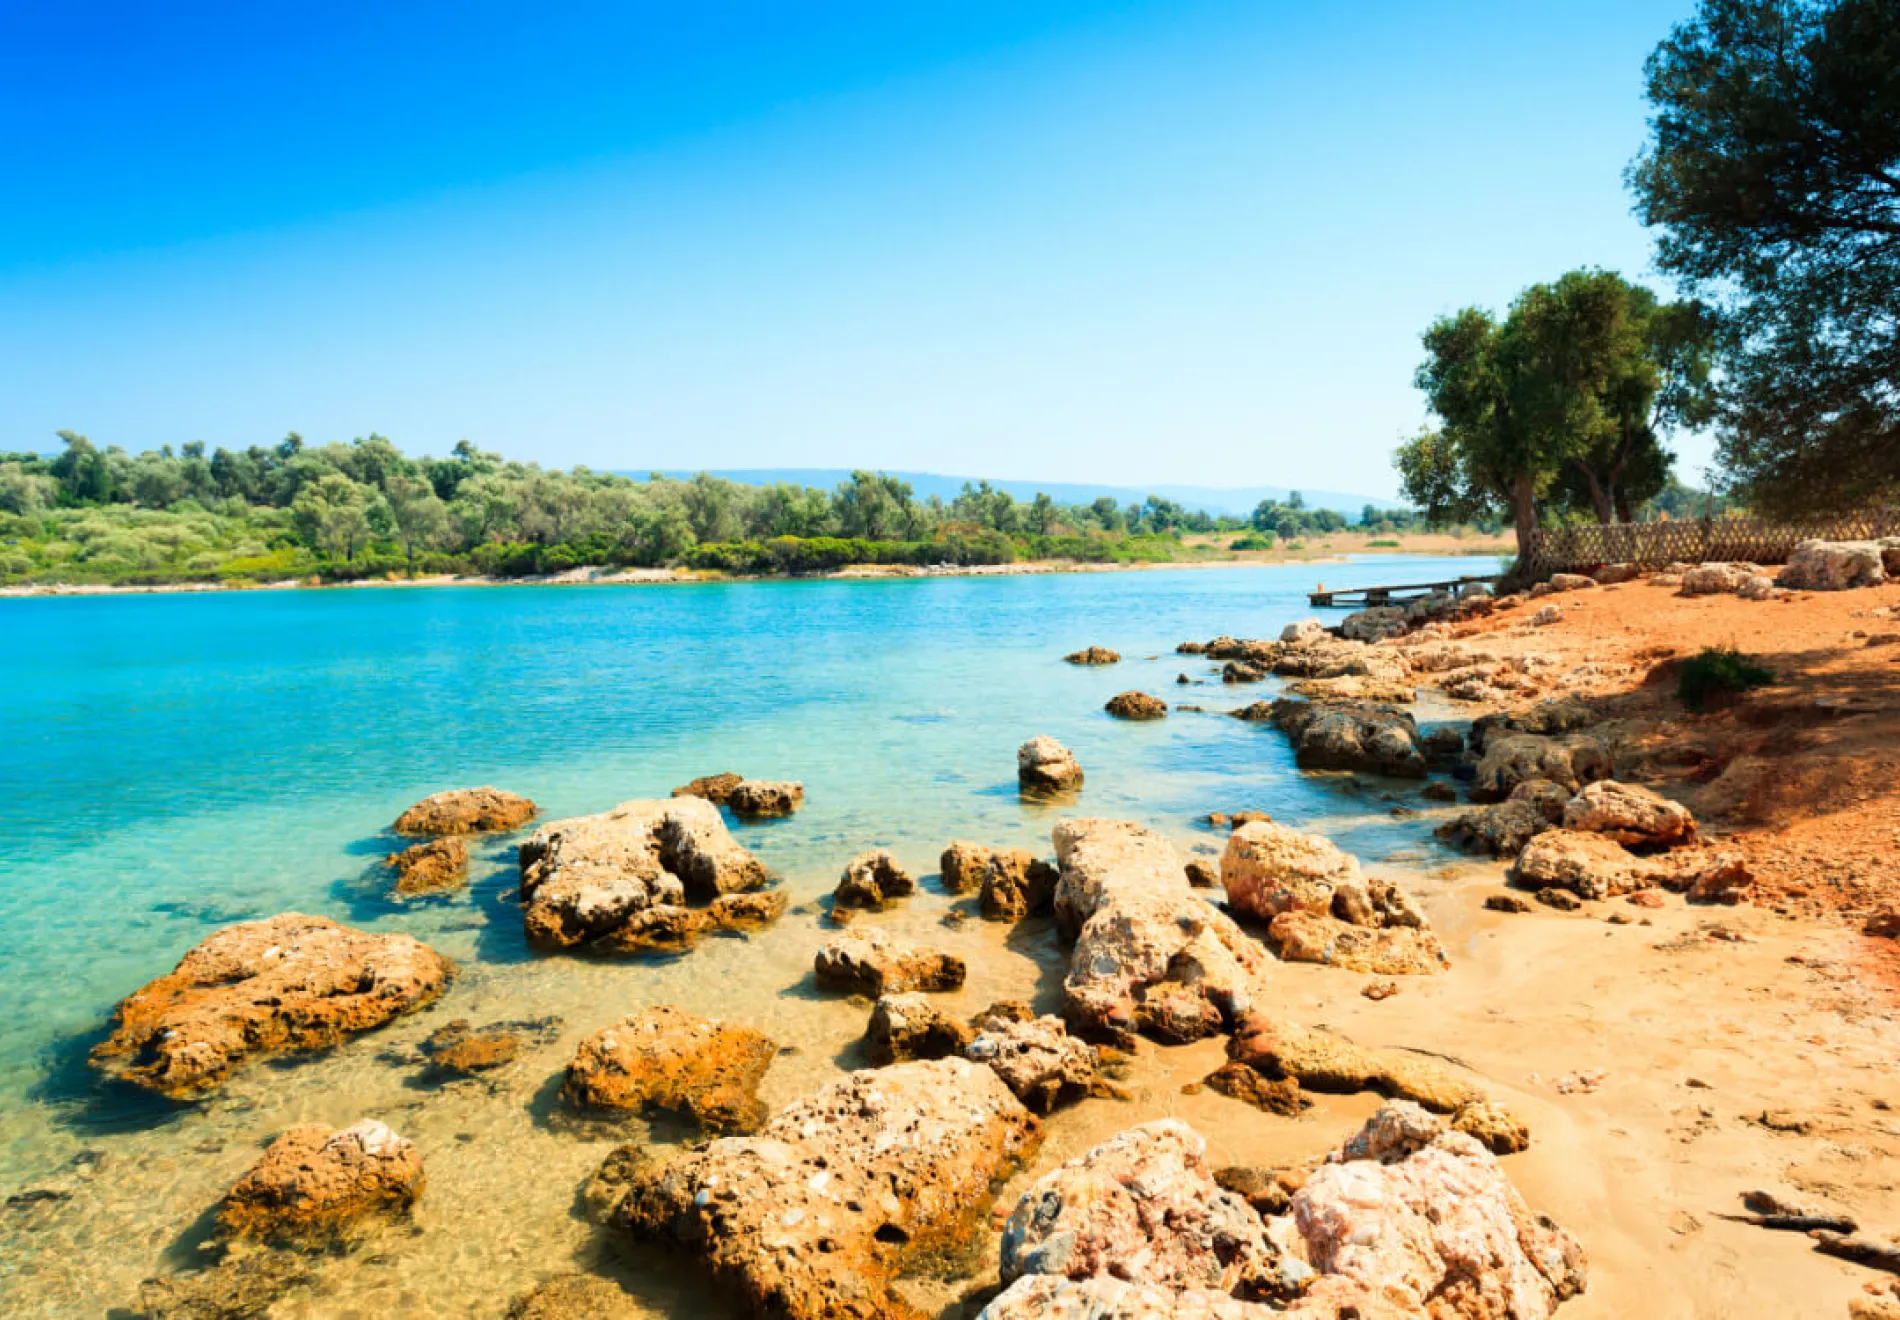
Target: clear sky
pixel 1180 240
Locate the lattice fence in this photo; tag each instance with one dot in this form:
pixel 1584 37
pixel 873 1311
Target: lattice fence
pixel 1691 541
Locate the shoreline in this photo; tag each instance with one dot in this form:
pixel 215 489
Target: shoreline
pixel 653 577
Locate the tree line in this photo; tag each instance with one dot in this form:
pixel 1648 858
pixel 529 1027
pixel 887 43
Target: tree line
pixel 1772 175
pixel 365 508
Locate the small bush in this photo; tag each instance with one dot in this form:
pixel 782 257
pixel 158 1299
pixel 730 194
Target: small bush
pixel 1716 674
pixel 1382 545
pixel 1252 541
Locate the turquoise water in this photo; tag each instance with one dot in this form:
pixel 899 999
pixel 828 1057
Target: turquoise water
pixel 178 762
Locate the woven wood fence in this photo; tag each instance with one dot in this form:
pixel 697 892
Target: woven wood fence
pixel 1690 541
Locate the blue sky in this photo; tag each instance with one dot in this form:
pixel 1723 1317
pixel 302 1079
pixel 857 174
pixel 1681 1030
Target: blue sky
pixel 1191 241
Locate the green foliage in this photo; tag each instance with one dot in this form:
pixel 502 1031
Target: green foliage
pixel 1773 172
pixel 1252 541
pixel 1382 545
pixel 1717 673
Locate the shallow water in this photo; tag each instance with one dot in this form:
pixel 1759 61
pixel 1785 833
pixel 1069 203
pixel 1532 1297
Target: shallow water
pixel 181 762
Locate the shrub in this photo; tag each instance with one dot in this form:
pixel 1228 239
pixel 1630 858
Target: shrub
pixel 1382 545
pixel 1718 674
pixel 1252 541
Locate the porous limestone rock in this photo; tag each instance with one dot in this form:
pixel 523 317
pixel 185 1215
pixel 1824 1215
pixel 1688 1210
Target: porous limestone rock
pixel 290 983
pixel 1570 761
pixel 1144 1207
pixel 1094 655
pixel 586 878
pixel 1434 1223
pixel 1834 566
pixel 1011 883
pixel 663 1058
pixel 1306 632
pixel 1044 765
pixel 906 1025
pixel 763 799
pixel 467 811
pixel 1377 950
pixel 675 927
pixel 1150 954
pixel 813 1217
pixel 1611 574
pixel 1547 616
pixel 872 880
pixel 1353 687
pixel 1323 1061
pixel 1038 1060
pixel 1136 706
pixel 317 1186
pixel 871 963
pixel 1351 736
pixel 1105 1297
pixel 429 868
pixel 1268 869
pixel 1375 624
pixel 1571 582
pixel 1634 816
pixel 1502 829
pixel 239 1286
pixel 1588 865
pixel 461 1049
pixel 1716 579
pixel 716 789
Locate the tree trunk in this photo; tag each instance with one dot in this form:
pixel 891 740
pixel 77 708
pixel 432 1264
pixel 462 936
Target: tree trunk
pixel 1523 513
pixel 1599 495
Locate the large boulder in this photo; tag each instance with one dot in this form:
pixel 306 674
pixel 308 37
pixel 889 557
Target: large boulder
pixel 1150 955
pixel 873 880
pixel 1834 566
pixel 467 811
pixel 1351 736
pixel 589 878
pixel 1632 815
pixel 871 963
pixel 1011 883
pixel 1044 765
pixel 290 983
pixel 1426 1217
pixel 764 799
pixel 1510 758
pixel 813 1217
pixel 1268 869
pixel 1306 632
pixel 663 1058
pixel 1596 866
pixel 1716 579
pixel 1142 1206
pixel 318 1187
pixel 429 868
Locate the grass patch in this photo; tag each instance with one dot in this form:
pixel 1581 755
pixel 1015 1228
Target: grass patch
pixel 1717 675
pixel 1382 545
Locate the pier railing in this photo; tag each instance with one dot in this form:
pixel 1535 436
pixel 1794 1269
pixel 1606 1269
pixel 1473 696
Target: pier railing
pixel 1691 541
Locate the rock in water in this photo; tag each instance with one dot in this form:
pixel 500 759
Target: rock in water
pixel 1136 706
pixel 1268 869
pixel 1428 1219
pixel 1351 736
pixel 812 1218
pixel 315 1186
pixel 590 878
pixel 716 789
pixel 1094 655
pixel 663 1058
pixel 1044 765
pixel 871 963
pixel 459 1049
pixel 289 983
pixel 1011 883
pixel 1631 815
pixel 575 1297
pixel 1143 1207
pixel 467 811
pixel 872 880
pixel 763 799
pixel 429 868
pixel 238 1287
pixel 1150 954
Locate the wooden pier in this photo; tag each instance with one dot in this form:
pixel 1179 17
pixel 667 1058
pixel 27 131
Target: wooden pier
pixel 1362 597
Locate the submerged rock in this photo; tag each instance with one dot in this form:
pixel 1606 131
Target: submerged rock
pixel 813 1217
pixel 319 1187
pixel 240 1286
pixel 1351 736
pixel 1094 655
pixel 1150 955
pixel 575 1297
pixel 872 880
pixel 764 799
pixel 716 789
pixel 1426 1218
pixel 666 1059
pixel 467 811
pixel 1136 706
pixel 459 1049
pixel 429 868
pixel 1044 765
pixel 871 963
pixel 589 878
pixel 286 984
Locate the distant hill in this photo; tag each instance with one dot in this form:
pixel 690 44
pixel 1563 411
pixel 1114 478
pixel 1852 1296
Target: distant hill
pixel 1236 500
